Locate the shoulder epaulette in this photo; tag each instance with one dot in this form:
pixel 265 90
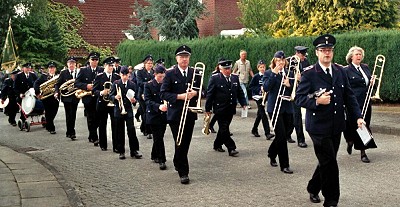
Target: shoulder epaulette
pixel 214 74
pixel 308 68
pixel 63 69
pixel 337 64
pixel 99 74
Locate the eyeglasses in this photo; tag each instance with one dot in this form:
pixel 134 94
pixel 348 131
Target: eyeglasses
pixel 95 59
pixel 325 50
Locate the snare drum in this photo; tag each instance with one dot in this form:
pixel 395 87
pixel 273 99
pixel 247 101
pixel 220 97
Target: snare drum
pixel 32 105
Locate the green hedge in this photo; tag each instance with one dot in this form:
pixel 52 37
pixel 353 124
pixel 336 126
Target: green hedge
pixel 208 50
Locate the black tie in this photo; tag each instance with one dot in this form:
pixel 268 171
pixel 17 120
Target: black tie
pixel 72 74
pixel 228 79
pixel 281 73
pixel 359 69
pixel 184 73
pixel 327 72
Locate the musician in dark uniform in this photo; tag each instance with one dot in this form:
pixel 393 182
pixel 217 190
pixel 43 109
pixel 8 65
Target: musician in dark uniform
pixel 85 81
pixel 7 91
pixel 255 86
pixel 174 90
pixel 117 67
pixel 359 77
pixel 325 117
pixel 23 82
pixel 301 52
pixel 104 107
pixel 277 83
pixel 123 85
pixel 156 118
pixel 144 76
pixel 223 93
pixel 71 101
pixel 50 103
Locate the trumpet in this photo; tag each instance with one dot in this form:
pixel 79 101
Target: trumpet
pixel 264 98
pixel 199 69
pixel 294 62
pixel 206 126
pixel 68 88
pixel 81 93
pixel 107 85
pixel 379 63
pixel 121 102
pixel 47 88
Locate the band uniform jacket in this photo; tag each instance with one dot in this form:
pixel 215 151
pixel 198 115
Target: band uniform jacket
pixel 175 83
pixel 153 102
pixel 256 84
pixel 65 76
pixel 126 101
pixel 222 96
pixel 22 84
pixel 142 77
pixel 272 83
pixel 86 76
pixel 326 119
pixel 7 91
pixel 357 81
pixel 99 81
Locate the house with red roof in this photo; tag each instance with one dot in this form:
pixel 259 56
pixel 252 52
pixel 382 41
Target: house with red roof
pixel 106 20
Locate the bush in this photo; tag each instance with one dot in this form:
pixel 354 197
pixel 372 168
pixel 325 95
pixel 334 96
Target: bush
pixel 209 50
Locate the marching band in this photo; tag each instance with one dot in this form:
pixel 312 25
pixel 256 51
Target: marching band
pixel 326 90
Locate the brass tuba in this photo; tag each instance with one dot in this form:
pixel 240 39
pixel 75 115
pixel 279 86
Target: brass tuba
pixel 68 88
pixel 206 126
pixel 47 88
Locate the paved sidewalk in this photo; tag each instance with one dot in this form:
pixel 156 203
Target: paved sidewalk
pixel 25 182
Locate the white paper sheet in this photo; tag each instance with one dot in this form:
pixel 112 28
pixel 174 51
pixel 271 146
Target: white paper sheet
pixel 364 134
pixel 130 94
pixel 244 112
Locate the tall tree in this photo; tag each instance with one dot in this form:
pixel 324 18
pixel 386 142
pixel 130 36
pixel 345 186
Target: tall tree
pixel 141 31
pixel 174 19
pixel 257 13
pixel 314 17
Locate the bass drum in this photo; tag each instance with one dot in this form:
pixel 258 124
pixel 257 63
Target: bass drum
pixel 31 105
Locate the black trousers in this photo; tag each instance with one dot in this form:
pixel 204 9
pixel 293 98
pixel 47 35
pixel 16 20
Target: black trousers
pixel 326 175
pixel 181 161
pixel 133 141
pixel 212 122
pixel 223 135
pixel 11 110
pixel 158 150
pixel 92 120
pixel 261 116
pixel 51 108
pixel 70 116
pixel 144 128
pixel 278 146
pixel 103 117
pixel 298 123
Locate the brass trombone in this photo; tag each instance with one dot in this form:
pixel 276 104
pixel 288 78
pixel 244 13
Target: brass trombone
pixel 379 63
pixel 199 70
pixel 120 101
pixel 294 61
pixel 296 72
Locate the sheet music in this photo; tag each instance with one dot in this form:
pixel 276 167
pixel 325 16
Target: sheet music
pixel 130 94
pixel 364 134
pixel 244 112
pixel 257 97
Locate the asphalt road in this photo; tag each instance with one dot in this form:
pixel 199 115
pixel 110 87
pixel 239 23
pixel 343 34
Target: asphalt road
pixel 101 179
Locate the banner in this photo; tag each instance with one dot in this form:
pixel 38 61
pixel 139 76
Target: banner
pixel 9 54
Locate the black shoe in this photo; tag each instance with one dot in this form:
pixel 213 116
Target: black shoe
pixel 290 140
pixel 163 166
pixel 185 179
pixel 68 136
pixel 115 150
pixel 137 119
pixel 273 162
pixel 365 159
pixel 136 154
pixel 212 130
pixel 230 134
pixel 302 145
pixel 255 133
pixel 73 137
pixel 145 134
pixel 270 136
pixel 314 198
pixel 150 136
pixel 287 170
pixel 233 153
pixel 96 143
pixel 53 132
pixel 155 160
pixel 122 156
pixel 91 140
pixel 103 149
pixel 219 149
pixel 349 148
pixel 13 124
